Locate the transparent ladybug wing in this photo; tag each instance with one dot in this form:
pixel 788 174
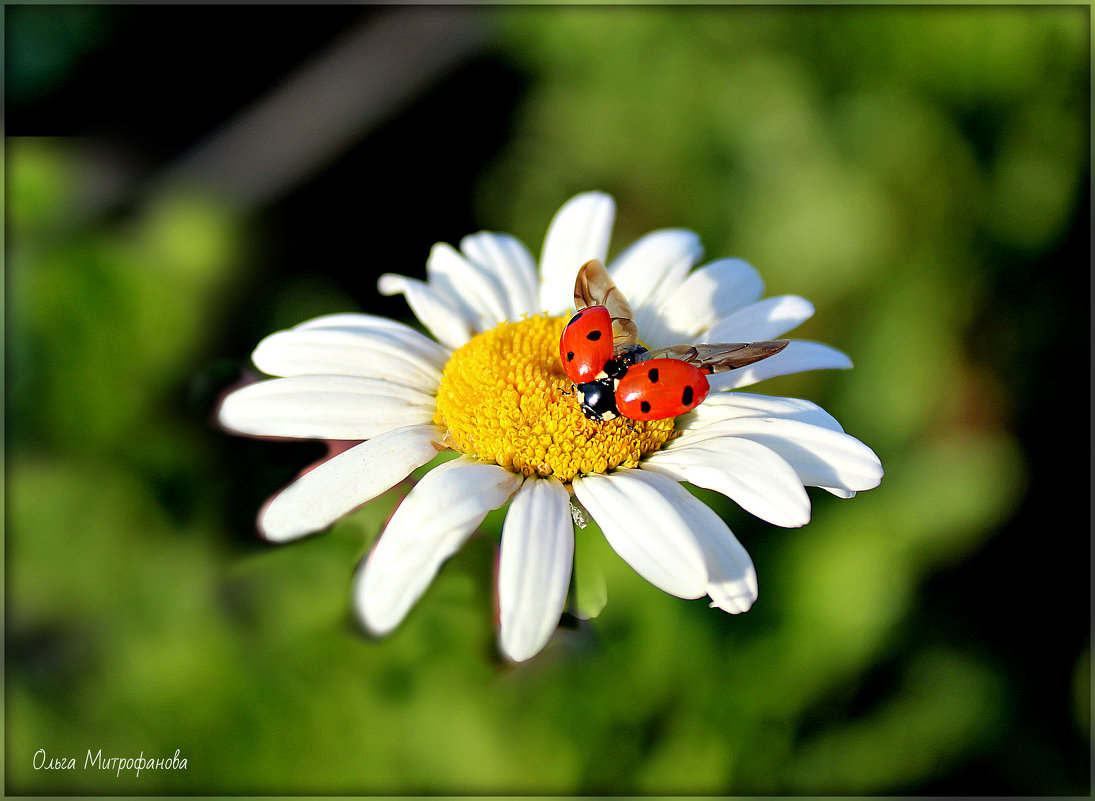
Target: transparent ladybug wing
pixel 718 357
pixel 595 287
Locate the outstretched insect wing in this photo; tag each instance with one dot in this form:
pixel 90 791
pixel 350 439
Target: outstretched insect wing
pixel 718 357
pixel 595 287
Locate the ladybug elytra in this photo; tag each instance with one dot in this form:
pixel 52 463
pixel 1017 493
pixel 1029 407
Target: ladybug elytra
pixel 614 375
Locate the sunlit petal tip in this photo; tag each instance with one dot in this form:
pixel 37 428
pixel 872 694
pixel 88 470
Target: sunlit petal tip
pixel 513 267
pixel 799 356
pixel 390 284
pixel 390 355
pixel 736 606
pixel 468 285
pixel 418 539
pixel 819 455
pixel 708 294
pixel 324 407
pixel 371 616
pixel 280 532
pixel 449 323
pixel 770 318
pixel 581 225
pixel 580 231
pixel 337 486
pixel 654 265
pixel 738 592
pixel 754 476
pixel 355 321
pixel 535 561
pixel 639 514
pixel 592 204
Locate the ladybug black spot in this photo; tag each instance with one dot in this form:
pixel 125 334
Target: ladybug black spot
pixel 686 398
pixel 653 375
pixel 645 406
pixel 570 355
pixel 593 336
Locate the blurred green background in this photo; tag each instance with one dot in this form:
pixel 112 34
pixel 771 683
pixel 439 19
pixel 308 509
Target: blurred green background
pixel 176 189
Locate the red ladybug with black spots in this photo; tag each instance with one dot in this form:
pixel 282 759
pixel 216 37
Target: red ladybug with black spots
pixel 615 376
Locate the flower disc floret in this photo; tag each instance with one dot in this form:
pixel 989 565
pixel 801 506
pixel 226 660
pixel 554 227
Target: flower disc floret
pixel 504 398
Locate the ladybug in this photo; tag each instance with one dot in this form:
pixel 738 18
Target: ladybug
pixel 660 388
pixel 598 397
pixel 614 375
pixel 586 344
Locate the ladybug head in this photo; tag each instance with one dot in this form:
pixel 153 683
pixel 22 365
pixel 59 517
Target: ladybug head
pixel 598 399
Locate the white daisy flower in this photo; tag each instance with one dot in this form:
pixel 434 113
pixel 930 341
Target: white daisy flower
pixel 489 385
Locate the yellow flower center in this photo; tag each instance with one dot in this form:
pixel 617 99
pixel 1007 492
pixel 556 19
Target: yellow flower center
pixel 504 399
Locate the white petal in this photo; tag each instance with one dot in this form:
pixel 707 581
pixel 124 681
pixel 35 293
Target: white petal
pixel 798 357
pixel 643 525
pixel 730 405
pixel 652 267
pixel 324 407
pixel 433 521
pixel 339 351
pixel 447 322
pixel 766 319
pixel 354 320
pixel 820 456
pixel 702 422
pixel 731 577
pixel 342 483
pixel 757 478
pixel 384 328
pixel 733 583
pixel 506 258
pixel 579 232
pixel 468 285
pixel 537 555
pixel 707 295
